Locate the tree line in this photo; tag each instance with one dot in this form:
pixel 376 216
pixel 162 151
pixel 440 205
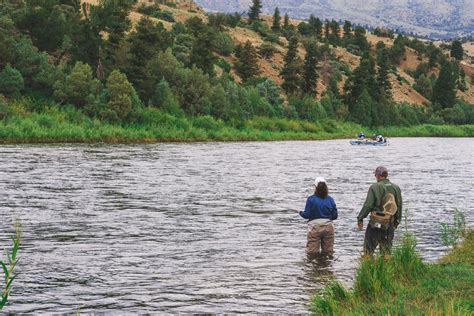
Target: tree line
pixel 91 57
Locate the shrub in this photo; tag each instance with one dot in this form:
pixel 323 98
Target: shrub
pixel 11 81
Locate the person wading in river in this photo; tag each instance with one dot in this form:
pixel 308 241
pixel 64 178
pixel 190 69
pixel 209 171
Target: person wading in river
pixel 320 210
pixel 384 204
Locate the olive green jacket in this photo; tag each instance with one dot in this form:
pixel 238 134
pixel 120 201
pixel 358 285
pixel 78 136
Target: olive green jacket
pixel 375 196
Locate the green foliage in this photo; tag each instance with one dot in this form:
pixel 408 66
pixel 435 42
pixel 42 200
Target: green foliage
pixel 11 81
pixel 457 50
pixel 9 266
pixel 165 99
pixel 363 109
pixel 451 234
pixel 224 44
pixel 276 22
pixel 120 97
pixel 267 50
pixel 255 9
pixel 444 90
pixel 291 72
pixel 79 87
pixel 202 55
pixel 247 64
pixel 310 75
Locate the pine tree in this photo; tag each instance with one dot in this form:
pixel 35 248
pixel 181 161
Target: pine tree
pixel 363 78
pixel 276 25
pixel 444 91
pixel 286 21
pixel 456 50
pixel 247 65
pixel 255 9
pixel 291 72
pixel 363 109
pixel 383 60
pixel 316 25
pixel 310 75
pixel 347 29
pixel 202 53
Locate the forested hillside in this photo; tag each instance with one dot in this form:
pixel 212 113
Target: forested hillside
pixel 134 63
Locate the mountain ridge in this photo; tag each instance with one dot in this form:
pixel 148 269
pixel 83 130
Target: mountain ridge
pixel 436 19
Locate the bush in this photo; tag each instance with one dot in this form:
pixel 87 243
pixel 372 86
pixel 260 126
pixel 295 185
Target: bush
pixel 207 122
pixel 11 81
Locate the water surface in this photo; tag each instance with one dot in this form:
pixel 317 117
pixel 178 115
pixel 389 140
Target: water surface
pixel 206 227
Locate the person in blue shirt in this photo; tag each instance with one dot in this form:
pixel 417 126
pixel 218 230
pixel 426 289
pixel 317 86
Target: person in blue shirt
pixel 320 211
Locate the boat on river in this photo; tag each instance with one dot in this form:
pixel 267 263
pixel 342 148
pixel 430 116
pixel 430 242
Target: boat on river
pixel 369 142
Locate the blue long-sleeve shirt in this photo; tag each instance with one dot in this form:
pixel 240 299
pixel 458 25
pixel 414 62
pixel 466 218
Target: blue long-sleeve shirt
pixel 319 208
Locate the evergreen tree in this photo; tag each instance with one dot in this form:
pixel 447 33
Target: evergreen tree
pixel 11 81
pixel 444 90
pixel 347 29
pixel 120 93
pixel 310 75
pixel 146 41
pixel 363 109
pixel 247 65
pixel 383 61
pixel 255 9
pixel 165 99
pixel 286 21
pixel 363 78
pixel 316 25
pixel 276 25
pixel 326 29
pixel 291 72
pixel 456 50
pixel 202 53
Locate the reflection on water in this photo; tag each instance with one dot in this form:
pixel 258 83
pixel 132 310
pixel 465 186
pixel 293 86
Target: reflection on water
pixel 196 228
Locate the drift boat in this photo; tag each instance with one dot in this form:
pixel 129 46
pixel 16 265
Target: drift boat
pixel 369 142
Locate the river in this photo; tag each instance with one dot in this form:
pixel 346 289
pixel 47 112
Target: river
pixel 206 227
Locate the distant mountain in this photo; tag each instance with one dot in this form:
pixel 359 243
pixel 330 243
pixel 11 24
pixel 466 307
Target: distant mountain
pixel 432 18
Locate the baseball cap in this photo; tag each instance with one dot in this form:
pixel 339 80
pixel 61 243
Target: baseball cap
pixel 319 179
pixel 381 171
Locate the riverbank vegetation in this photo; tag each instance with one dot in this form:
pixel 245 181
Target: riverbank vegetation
pixel 54 124
pixel 129 70
pixel 8 266
pixel 405 285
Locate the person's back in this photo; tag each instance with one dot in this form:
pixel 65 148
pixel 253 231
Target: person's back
pixel 320 210
pixel 381 227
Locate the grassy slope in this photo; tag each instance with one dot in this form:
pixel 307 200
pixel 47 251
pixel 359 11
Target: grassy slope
pixel 404 285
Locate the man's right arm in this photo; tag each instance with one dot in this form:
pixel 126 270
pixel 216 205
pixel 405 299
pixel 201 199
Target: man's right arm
pixel 368 205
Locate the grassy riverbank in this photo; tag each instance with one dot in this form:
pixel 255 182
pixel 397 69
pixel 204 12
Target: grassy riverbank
pixel 51 124
pixel 405 285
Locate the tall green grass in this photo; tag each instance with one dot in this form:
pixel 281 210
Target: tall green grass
pixel 404 285
pixel 25 121
pixel 9 266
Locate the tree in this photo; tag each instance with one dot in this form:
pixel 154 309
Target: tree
pixel 456 50
pixel 202 53
pixel 316 25
pixel 444 90
pixel 423 86
pixel 79 87
pixel 347 29
pixel 120 93
pixel 276 27
pixel 11 81
pixel 310 75
pixel 362 79
pixel 291 72
pixel 363 108
pixel 286 21
pixel 146 41
pixel 247 64
pixel 383 72
pixel 165 99
pixel 255 9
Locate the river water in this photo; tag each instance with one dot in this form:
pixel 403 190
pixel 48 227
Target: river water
pixel 206 227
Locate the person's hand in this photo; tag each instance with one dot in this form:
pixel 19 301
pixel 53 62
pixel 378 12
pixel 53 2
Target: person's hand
pixel 360 225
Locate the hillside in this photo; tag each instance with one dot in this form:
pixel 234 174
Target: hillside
pixel 128 70
pixel 402 85
pixel 432 18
